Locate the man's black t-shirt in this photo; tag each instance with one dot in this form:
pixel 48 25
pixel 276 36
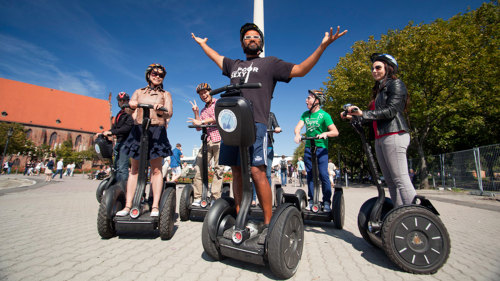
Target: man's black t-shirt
pixel 267 71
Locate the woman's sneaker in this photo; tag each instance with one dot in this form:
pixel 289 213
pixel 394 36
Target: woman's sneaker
pixel 196 203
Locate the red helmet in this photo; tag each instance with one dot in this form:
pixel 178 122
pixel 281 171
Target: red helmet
pixel 122 96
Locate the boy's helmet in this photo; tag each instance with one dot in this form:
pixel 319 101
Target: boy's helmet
pixel 319 95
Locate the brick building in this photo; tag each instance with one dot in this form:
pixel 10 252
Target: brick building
pixel 51 116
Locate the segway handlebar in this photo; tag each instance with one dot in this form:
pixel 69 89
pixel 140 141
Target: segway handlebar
pixel 309 138
pixel 143 105
pixel 346 107
pixel 233 87
pixel 203 126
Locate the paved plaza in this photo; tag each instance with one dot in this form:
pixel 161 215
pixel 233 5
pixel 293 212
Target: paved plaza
pixel 49 232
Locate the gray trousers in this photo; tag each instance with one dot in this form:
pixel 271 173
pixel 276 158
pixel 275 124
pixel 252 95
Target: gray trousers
pixel 391 156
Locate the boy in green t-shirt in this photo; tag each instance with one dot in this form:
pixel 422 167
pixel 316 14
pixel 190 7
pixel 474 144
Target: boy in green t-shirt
pixel 318 123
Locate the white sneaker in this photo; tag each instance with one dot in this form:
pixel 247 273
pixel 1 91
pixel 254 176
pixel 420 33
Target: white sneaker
pixel 196 203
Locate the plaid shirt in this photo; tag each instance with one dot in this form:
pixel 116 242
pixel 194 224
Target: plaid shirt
pixel 209 112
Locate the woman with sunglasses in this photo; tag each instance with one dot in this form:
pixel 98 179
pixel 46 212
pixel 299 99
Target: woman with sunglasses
pixel 387 115
pixel 159 146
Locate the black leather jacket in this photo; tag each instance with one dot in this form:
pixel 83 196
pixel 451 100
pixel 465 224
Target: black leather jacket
pixel 389 108
pixel 122 127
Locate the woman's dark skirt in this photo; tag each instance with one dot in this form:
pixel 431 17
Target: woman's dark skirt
pixel 159 145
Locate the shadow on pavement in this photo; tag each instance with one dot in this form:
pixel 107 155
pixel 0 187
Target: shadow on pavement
pixel 369 252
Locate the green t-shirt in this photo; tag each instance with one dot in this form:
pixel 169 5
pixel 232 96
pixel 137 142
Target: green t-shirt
pixel 317 123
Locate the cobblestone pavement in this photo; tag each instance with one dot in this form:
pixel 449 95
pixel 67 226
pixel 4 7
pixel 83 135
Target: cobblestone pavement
pixel 49 232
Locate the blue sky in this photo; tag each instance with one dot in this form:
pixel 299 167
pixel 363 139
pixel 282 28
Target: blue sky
pixel 95 47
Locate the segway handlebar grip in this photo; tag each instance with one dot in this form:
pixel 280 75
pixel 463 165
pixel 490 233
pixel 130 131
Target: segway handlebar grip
pixel 203 126
pixel 309 138
pixel 235 87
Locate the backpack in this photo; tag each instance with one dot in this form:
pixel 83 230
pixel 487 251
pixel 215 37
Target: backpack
pixel 283 164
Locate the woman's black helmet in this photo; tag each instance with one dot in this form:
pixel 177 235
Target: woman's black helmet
pixel 251 26
pixel 385 58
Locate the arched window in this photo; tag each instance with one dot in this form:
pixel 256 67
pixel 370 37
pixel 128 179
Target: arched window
pixel 78 142
pixel 44 136
pixel 28 133
pixel 53 139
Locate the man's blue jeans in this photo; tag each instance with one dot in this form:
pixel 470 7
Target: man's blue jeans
pixel 121 162
pixel 283 176
pixel 322 156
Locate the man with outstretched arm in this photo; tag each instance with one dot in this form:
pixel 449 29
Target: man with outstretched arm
pixel 268 71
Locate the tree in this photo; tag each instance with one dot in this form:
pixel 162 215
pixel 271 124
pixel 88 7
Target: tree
pixel 451 72
pixel 17 143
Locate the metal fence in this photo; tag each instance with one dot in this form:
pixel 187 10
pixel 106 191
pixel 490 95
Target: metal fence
pixel 477 168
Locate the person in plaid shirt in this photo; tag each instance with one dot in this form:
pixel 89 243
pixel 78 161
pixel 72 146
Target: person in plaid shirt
pixel 207 116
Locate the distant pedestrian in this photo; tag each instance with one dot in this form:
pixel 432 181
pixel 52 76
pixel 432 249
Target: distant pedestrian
pixel 59 169
pixel 175 161
pixel 48 169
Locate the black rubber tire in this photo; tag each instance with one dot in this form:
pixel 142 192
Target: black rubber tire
pixel 167 215
pixel 279 196
pixel 226 190
pixel 302 197
pixel 100 189
pixel 364 217
pixel 338 209
pixel 222 207
pixel 285 243
pixel 416 239
pixel 105 224
pixel 187 197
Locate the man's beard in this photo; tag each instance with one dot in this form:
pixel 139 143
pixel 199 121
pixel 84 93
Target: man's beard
pixel 252 50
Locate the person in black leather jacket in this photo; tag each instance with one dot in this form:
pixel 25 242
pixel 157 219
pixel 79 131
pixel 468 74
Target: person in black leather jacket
pixel 386 114
pixel 121 128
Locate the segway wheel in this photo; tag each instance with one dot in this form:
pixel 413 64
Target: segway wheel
pixel 187 197
pixel 338 208
pixel 100 189
pixel 280 198
pixel 105 225
pixel 226 189
pixel 220 217
pixel 285 243
pixel 416 240
pixel 302 197
pixel 167 215
pixel 364 217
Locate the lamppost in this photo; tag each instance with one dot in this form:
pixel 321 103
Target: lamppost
pixel 10 132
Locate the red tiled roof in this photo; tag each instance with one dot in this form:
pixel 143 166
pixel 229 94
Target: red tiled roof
pixel 30 104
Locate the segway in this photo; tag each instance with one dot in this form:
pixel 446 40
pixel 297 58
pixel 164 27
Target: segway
pixel 317 213
pixel 186 210
pixel 227 234
pixel 412 236
pixel 104 149
pixel 139 218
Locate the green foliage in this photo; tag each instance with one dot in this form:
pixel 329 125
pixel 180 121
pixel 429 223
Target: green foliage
pixel 17 143
pixel 451 72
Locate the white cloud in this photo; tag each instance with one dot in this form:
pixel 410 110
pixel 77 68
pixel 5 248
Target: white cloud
pixel 24 61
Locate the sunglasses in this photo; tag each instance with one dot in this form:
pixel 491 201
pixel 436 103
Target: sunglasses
pixel 158 74
pixel 378 67
pixel 248 37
